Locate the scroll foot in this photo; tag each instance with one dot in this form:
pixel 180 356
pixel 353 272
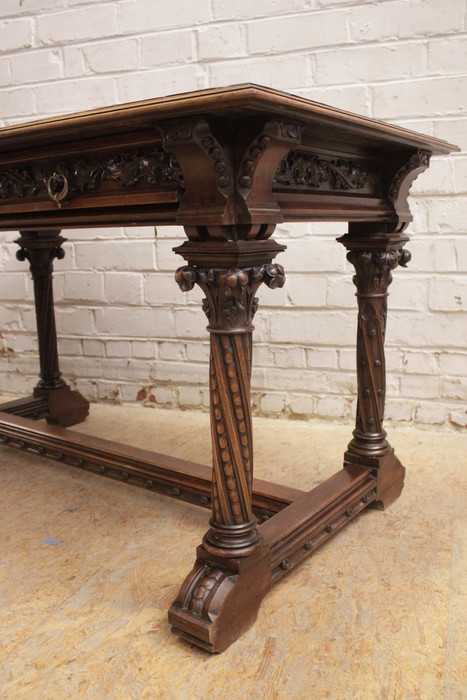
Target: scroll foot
pixel 220 598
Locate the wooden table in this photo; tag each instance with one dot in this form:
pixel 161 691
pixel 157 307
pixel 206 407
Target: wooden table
pixel 228 165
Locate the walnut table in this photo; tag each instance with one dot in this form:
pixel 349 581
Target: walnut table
pixel 228 165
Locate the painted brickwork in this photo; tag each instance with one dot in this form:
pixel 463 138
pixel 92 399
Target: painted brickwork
pixel 126 331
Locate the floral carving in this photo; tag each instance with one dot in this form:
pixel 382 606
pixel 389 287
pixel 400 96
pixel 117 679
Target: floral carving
pixel 305 169
pixel 66 178
pixel 420 159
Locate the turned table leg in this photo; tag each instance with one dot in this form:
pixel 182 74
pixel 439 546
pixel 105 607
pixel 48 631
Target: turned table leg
pixel 374 257
pixel 64 406
pixel 221 596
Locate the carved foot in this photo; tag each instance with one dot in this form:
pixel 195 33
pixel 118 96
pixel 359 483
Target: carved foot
pixel 220 598
pixel 389 473
pixel 65 407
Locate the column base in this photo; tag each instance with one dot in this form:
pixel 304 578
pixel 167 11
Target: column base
pixel 219 600
pixel 389 474
pixel 65 406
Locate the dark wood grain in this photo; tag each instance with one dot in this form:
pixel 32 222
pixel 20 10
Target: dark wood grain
pixel 228 165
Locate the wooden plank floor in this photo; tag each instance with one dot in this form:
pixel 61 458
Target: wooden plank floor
pixel 89 566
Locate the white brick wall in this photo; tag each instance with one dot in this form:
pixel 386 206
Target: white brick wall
pixel 126 332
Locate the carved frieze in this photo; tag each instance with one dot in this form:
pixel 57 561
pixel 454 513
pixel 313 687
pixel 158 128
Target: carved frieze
pixel 303 169
pixel 65 178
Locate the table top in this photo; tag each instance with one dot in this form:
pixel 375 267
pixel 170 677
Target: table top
pixel 243 155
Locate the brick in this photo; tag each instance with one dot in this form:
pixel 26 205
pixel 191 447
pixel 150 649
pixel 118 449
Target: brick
pixel 199 352
pixel 276 72
pixel 189 396
pixel 368 64
pixel 138 15
pixel 332 407
pixel 89 94
pixel 420 362
pixel 245 9
pixel 221 42
pixel 36 66
pixel 458 418
pixel 398 411
pixel 94 348
pixel 112 56
pixel 288 357
pixel 454 388
pixel 77 25
pixel 123 288
pixel 172 350
pixel 438 179
pixel 301 405
pixel 293 380
pixel 163 395
pixel 341 292
pixel 433 255
pixel 153 83
pixel 75 321
pixel 376 22
pixel 273 403
pixel 460 175
pixel 118 348
pixel 312 30
pixel 143 349
pixel 429 329
pixel 70 346
pixel 325 358
pixel 443 55
pixel 447 215
pixel 108 391
pixel 16 34
pixel 5 74
pixel 161 288
pixel 407 292
pixel 17 103
pixel 14 286
pixel 417 97
pixel 452 130
pixel 460 248
pixel 352 98
pixel 307 290
pixel 312 327
pixel 430 414
pixel 17 7
pixel 126 369
pixel 190 323
pixel 108 256
pixel 186 373
pixel 73 62
pixel 83 286
pixel 165 49
pixel 448 294
pixel 137 323
pixel 420 387
pixel 313 256
pixel 453 363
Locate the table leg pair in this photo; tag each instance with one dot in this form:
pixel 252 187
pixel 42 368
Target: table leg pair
pixel 239 559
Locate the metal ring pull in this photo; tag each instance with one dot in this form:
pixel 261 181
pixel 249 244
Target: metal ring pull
pixel 57 187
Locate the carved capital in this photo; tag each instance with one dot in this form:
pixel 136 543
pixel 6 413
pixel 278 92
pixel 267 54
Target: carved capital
pixel 40 250
pixel 373 269
pixel 230 302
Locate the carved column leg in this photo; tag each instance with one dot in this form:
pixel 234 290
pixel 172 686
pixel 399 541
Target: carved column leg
pixel 221 596
pixel 373 258
pixel 64 406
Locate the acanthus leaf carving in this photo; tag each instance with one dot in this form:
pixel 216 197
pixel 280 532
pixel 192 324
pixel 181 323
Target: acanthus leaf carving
pixel 63 179
pixel 308 170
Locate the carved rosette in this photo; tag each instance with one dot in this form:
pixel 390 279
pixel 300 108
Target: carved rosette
pixel 230 305
pixel 372 279
pixel 41 250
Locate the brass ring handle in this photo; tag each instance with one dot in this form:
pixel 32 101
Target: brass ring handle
pixel 57 187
